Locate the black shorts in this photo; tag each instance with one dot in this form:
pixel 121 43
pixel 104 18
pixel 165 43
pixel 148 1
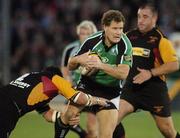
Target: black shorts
pixel 95 89
pixel 8 116
pixel 151 96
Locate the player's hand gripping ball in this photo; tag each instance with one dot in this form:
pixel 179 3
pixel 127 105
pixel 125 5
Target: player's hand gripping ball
pixel 89 71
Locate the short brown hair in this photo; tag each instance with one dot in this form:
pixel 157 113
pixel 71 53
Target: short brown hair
pixel 151 6
pixel 112 15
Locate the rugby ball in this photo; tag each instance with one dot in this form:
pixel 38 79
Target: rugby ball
pixel 88 72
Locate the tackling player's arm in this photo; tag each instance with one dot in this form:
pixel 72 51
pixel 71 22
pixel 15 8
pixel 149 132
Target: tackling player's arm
pixel 47 113
pixel 77 97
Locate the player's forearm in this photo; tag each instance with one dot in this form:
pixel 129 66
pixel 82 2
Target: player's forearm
pixel 88 100
pixel 73 63
pixel 48 115
pixel 120 72
pixel 165 69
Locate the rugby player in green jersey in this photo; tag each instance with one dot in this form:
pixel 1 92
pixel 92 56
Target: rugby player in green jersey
pixel 112 64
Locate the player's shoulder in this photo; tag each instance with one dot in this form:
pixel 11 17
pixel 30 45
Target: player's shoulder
pixel 159 33
pixel 95 35
pixel 71 46
pixel 93 39
pixel 125 40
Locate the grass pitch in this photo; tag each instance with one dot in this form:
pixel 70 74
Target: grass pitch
pixel 137 125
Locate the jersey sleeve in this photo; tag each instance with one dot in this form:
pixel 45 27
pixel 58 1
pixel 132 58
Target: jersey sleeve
pixel 127 57
pixel 64 87
pixel 66 55
pixel 167 51
pixel 85 47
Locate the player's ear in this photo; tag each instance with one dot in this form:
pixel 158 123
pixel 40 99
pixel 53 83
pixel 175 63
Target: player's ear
pixel 104 27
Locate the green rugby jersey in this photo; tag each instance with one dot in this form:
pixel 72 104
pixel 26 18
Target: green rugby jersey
pixel 119 53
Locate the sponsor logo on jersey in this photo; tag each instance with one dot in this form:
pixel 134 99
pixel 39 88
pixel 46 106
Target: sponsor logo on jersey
pixel 152 39
pixel 143 52
pixel 19 82
pixel 127 58
pixel 104 59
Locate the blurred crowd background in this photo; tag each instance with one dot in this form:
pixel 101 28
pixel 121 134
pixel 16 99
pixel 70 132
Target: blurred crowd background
pixel 40 29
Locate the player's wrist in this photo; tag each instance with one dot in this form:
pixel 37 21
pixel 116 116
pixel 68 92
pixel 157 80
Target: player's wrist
pixel 151 72
pixel 55 115
pixel 101 66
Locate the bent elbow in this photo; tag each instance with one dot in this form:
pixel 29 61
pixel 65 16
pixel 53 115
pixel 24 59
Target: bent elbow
pixel 72 65
pixel 81 99
pixel 124 76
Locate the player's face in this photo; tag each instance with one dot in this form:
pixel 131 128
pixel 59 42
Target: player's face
pixel 146 20
pixel 113 32
pixel 84 33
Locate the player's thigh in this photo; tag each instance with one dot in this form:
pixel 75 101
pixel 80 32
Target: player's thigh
pixel 107 120
pixel 92 124
pixel 91 121
pixel 125 108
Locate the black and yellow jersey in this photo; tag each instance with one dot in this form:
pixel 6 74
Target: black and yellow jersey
pixel 33 91
pixel 150 50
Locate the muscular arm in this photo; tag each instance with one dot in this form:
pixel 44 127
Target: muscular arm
pixel 77 97
pixel 170 64
pixel 74 62
pixel 165 68
pixel 120 72
pixel 168 55
pixel 48 115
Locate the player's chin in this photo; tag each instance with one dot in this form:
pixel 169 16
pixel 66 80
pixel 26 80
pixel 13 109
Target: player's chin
pixel 141 28
pixel 116 40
